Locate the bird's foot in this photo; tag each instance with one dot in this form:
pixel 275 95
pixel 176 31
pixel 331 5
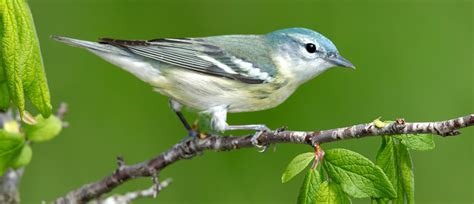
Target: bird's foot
pixel 256 136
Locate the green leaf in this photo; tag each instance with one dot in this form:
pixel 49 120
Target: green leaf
pixel 358 176
pixel 387 161
pixel 33 74
pixel 331 193
pixel 24 158
pixel 310 186
pixel 10 54
pixel 406 173
pixel 418 142
pixel 44 129
pixel 21 63
pixel 11 126
pixel 11 145
pixel 296 166
pixel 394 158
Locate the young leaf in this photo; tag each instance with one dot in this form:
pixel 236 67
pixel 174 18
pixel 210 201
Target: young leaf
pixel 11 126
pixel 331 193
pixel 310 186
pixel 10 50
pixel 406 173
pixel 11 145
pixel 296 166
pixel 379 124
pixel 44 129
pixel 21 63
pixel 395 160
pixel 34 78
pixel 358 176
pixel 418 142
pixel 24 158
pixel 387 161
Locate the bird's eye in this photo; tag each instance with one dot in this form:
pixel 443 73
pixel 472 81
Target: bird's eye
pixel 311 48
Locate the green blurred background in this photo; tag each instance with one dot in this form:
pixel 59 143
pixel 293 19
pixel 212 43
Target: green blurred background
pixel 414 60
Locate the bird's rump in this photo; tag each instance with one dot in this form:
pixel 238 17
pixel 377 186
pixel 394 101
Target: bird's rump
pixel 197 55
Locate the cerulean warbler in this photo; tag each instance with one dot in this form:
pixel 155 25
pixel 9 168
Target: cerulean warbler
pixel 220 74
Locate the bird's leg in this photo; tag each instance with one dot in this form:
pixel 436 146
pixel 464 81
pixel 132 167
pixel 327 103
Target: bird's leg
pixel 260 130
pixel 176 107
pixel 218 122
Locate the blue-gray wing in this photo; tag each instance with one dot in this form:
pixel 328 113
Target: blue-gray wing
pixel 206 55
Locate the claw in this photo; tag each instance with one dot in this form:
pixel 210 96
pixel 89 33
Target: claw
pixel 254 140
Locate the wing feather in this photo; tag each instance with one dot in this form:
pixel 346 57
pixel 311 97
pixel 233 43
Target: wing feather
pixel 192 54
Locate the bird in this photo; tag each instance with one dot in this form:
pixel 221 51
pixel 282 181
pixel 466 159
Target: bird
pixel 223 74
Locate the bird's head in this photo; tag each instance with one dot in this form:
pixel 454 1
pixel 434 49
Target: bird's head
pixel 303 53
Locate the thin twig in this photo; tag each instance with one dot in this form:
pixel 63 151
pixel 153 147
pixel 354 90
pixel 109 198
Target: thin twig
pixel 195 146
pixel 127 198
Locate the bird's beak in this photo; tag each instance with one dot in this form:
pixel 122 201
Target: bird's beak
pixel 338 60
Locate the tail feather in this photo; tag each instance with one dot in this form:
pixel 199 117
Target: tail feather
pixel 93 46
pixel 119 56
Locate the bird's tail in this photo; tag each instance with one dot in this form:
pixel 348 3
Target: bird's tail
pixel 120 57
pixel 93 46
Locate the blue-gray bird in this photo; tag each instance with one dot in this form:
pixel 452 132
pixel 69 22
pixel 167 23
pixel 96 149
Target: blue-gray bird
pixel 220 74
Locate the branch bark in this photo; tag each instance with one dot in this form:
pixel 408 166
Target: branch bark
pixel 9 186
pixel 189 148
pixel 127 198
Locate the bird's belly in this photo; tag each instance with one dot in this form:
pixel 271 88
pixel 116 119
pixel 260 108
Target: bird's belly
pixel 203 92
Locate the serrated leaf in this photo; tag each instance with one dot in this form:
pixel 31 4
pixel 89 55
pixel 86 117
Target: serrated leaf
pixel 3 78
pixel 24 158
pixel 310 186
pixel 406 173
pixel 11 145
pixel 21 62
pixel 296 166
pixel 34 78
pixel 331 193
pixel 358 176
pixel 419 142
pixel 10 49
pixel 44 129
pixel 394 158
pixel 387 161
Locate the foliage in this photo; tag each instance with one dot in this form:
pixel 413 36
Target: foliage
pixel 345 174
pixel 11 146
pixel 22 76
pixel 21 66
pixel 296 166
pixel 15 149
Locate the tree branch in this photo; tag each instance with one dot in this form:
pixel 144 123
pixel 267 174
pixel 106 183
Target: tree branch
pixel 127 198
pixel 192 147
pixel 9 182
